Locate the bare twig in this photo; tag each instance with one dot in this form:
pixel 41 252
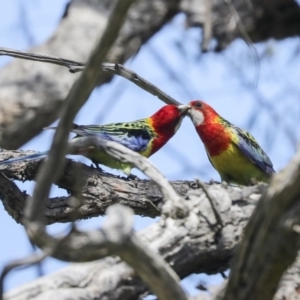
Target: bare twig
pixel 22 263
pixel 139 81
pixel 74 67
pixel 34 220
pixel 213 204
pixel 40 58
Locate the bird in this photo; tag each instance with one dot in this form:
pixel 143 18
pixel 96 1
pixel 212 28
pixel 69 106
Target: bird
pixel 145 136
pixel 233 152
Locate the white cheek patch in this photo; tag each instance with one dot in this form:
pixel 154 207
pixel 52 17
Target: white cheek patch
pixel 196 116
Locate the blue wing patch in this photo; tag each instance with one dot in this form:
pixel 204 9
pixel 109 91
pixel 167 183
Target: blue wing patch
pixel 133 136
pixel 250 148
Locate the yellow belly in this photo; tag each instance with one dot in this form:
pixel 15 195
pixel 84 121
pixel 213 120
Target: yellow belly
pixel 234 167
pixel 102 158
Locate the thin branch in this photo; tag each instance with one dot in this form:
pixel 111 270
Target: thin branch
pixel 40 58
pixel 21 263
pixel 74 67
pixel 79 93
pixel 118 69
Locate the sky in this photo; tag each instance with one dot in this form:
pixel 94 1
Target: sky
pixel 171 60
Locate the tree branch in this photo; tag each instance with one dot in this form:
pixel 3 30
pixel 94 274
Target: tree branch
pixel 154 271
pixel 174 206
pixel 34 219
pixel 189 245
pixel 44 88
pixel 117 238
pixel 99 190
pixel 139 81
pixel 74 67
pixel 271 240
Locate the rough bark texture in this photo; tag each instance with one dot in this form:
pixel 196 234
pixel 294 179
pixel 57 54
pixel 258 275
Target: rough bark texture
pixel 99 190
pixel 190 245
pixel 271 240
pixel 194 244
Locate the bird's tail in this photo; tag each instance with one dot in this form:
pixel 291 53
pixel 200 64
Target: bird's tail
pixel 22 158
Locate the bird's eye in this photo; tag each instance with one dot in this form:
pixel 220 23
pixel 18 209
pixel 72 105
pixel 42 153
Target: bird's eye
pixel 198 104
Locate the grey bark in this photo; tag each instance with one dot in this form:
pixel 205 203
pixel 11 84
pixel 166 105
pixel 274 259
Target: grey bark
pixel 189 245
pixel 271 240
pixel 99 190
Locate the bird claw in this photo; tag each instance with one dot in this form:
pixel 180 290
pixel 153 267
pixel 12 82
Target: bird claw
pixel 211 182
pixel 96 166
pixel 132 177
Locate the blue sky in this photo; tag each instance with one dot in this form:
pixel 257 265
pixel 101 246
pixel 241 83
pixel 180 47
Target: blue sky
pixel 172 61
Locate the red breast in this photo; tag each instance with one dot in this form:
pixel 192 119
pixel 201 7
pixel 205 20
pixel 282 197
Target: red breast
pixel 212 132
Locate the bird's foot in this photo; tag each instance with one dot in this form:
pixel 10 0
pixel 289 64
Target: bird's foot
pixel 253 181
pixel 132 177
pixel 193 185
pixel 96 166
pixel 211 182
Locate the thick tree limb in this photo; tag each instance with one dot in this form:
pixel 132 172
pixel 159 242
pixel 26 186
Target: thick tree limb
pixel 89 241
pixel 154 271
pixel 271 239
pixel 99 190
pixel 194 238
pixel 173 207
pixel 189 245
pixel 117 237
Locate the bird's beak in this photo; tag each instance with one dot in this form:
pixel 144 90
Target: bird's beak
pixel 183 108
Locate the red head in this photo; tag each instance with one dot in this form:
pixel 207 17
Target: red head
pixel 209 127
pixel 166 122
pixel 168 118
pixel 201 113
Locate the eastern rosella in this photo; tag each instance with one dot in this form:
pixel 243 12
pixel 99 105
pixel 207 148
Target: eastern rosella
pixel 233 152
pixel 145 136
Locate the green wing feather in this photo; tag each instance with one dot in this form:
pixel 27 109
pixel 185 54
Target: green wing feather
pixel 133 135
pixel 250 148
